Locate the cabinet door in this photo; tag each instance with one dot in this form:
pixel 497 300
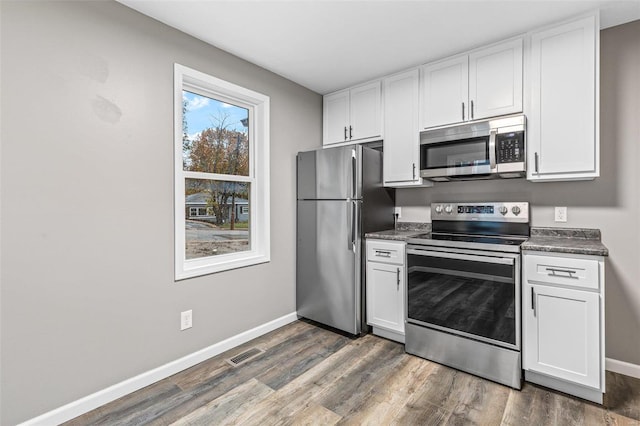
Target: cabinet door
pixel 336 117
pixel 495 80
pixel 366 112
pixel 385 296
pixel 401 133
pixel 562 126
pixel 444 92
pixel 562 334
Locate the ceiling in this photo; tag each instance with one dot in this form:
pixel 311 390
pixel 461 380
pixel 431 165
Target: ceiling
pixel 329 45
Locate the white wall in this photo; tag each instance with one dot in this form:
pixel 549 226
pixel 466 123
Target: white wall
pixel 87 291
pixel 610 203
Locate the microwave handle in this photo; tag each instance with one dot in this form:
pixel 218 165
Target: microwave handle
pixel 492 149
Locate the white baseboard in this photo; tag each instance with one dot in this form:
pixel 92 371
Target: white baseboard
pixel 622 367
pixel 97 399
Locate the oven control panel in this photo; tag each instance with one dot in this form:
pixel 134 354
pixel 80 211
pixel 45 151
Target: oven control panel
pixel 491 212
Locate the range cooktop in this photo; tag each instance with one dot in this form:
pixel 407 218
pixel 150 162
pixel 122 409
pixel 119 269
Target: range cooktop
pixel 494 226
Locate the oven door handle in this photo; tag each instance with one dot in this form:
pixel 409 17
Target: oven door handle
pixel 458 256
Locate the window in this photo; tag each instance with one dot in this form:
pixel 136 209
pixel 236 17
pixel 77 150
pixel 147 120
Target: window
pixel 221 175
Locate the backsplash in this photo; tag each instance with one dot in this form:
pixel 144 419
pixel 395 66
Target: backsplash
pixel 413 226
pixel 577 196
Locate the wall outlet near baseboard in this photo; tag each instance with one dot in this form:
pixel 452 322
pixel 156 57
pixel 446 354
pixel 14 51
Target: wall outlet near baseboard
pixel 186 319
pixel 398 211
pixel 561 214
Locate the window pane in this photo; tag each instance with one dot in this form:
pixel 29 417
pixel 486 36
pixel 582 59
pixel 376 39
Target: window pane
pixel 220 224
pixel 215 136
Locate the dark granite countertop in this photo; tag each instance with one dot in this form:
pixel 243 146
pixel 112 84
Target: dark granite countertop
pixel 403 231
pixel 558 240
pixel 566 240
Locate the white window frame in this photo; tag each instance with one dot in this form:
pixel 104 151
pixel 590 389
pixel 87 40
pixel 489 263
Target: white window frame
pixel 259 218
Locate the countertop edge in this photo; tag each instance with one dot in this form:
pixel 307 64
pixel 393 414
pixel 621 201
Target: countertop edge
pixel 548 248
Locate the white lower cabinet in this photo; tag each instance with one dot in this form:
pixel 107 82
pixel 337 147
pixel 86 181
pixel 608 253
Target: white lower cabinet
pixel 385 288
pixel 563 323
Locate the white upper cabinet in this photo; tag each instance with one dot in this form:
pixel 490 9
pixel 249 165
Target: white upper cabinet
pixel 563 118
pixel 445 92
pixel 353 115
pixel 336 117
pixel 485 83
pixel 401 165
pixel 495 80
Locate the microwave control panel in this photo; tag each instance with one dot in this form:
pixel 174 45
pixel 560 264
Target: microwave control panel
pixel 510 147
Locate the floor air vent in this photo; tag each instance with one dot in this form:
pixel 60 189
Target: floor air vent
pixel 244 356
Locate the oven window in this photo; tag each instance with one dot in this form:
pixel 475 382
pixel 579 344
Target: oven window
pixel 472 297
pixel 465 153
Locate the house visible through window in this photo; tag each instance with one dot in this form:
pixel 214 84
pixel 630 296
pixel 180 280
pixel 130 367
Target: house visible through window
pixel 221 171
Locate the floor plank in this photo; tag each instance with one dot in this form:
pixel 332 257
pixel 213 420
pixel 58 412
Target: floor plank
pixel 309 375
pixel 385 404
pixel 623 395
pixel 228 407
pixel 321 379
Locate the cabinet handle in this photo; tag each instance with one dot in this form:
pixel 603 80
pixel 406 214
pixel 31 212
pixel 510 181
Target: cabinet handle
pixel 398 279
pixel 350 132
pixel 536 161
pixel 472 110
pixel 463 111
pixel 381 253
pixel 345 133
pixel 552 273
pixel 414 171
pixel 533 301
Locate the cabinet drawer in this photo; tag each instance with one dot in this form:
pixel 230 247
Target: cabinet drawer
pixel 568 271
pixel 385 252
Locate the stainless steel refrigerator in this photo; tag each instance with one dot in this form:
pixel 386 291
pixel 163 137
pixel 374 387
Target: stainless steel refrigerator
pixel 340 198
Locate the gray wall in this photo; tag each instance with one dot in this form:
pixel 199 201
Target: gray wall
pixel 88 297
pixel 611 202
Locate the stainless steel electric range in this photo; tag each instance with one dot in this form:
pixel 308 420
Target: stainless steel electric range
pixel 463 289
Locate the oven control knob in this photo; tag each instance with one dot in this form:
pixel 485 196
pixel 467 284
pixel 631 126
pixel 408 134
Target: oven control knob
pixel 515 210
pixel 503 210
pixel 438 209
pixel 448 208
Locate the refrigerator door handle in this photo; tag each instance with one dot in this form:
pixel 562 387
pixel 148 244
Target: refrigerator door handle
pixel 354 178
pixel 354 225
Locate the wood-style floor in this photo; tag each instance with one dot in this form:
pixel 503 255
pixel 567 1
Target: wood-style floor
pixel 309 375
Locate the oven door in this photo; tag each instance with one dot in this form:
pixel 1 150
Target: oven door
pixel 473 294
pixel 473 156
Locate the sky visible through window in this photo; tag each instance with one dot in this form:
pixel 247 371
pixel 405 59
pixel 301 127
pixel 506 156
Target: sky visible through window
pixel 201 112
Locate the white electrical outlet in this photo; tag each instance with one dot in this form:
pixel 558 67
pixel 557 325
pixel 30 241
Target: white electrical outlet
pixel 186 319
pixel 561 214
pixel 398 211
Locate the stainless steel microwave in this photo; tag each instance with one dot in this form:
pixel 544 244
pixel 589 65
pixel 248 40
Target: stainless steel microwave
pixel 484 149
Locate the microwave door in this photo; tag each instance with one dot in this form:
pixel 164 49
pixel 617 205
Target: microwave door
pixel 457 158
